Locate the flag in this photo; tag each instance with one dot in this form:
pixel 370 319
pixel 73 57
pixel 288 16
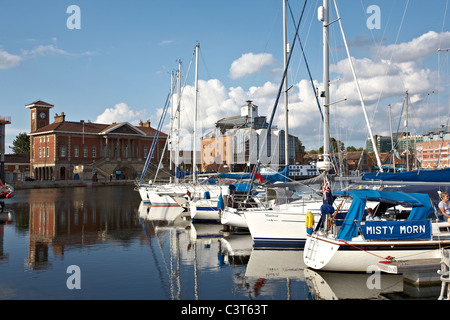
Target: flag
pixel 327 196
pixel 259 177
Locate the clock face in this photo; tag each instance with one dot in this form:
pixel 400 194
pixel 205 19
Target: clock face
pixel 42 115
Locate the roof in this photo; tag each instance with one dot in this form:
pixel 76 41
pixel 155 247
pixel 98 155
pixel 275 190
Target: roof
pixel 39 103
pixel 17 158
pixel 97 128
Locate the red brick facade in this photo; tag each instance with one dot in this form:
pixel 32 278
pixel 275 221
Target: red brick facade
pixel 66 150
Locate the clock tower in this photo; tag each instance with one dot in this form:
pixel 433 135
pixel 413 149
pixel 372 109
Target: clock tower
pixel 39 113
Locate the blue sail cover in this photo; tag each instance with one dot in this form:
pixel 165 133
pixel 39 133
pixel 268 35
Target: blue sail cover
pixel 271 176
pixel 439 175
pixel 421 208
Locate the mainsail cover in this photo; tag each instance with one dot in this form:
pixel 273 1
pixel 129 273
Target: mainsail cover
pixel 438 175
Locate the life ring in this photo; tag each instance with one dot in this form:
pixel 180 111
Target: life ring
pixel 309 222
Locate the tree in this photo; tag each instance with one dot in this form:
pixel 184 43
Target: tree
pixel 337 146
pixel 21 144
pixel 300 146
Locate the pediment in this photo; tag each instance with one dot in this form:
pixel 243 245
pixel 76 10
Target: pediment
pixel 122 128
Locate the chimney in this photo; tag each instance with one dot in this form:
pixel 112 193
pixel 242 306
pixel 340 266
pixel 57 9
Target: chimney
pixel 60 118
pixel 144 124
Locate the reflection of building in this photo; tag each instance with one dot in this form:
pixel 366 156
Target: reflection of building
pixel 65 150
pixel 69 218
pixel 238 141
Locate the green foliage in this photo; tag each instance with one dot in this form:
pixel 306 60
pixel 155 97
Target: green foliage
pixel 21 144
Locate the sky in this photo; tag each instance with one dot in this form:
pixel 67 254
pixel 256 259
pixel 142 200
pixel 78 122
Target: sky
pixel 111 61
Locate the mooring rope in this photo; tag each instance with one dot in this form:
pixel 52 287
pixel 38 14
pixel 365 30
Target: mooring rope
pixel 387 259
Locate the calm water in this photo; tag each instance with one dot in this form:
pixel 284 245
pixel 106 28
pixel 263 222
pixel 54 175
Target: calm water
pixel 127 250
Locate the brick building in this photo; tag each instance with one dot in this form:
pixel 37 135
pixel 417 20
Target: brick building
pixel 17 167
pixel 67 150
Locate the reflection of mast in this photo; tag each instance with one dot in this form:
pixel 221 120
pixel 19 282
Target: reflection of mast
pixel 3 122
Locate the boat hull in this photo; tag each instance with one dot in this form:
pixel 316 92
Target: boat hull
pixel 163 197
pixel 204 210
pixel 233 218
pixel 321 253
pixel 279 227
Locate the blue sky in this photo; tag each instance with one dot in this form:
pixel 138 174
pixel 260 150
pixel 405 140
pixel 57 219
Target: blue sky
pixel 117 66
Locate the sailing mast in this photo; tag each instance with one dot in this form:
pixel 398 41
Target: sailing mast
pixel 171 128
pixel 323 16
pixel 286 107
pixel 177 116
pixel 407 135
pixel 194 164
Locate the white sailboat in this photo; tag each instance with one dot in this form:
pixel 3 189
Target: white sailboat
pixel 273 228
pixel 172 194
pixel 285 224
pixel 355 243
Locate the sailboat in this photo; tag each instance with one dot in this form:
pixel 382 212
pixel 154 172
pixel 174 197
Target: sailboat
pixel 356 243
pixel 286 225
pixel 170 194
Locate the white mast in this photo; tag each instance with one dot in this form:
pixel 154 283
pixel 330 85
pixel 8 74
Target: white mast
pixel 392 138
pixel 407 136
pixel 286 108
pixel 194 164
pixel 171 128
pixel 177 115
pixel 323 16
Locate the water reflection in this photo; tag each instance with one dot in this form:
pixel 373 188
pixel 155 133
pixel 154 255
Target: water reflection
pixel 130 250
pixel 74 218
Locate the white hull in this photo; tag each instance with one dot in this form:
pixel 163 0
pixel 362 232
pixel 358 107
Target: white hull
pixel 283 225
pixel 155 213
pixel 165 196
pixel 321 253
pixel 204 209
pixel 234 218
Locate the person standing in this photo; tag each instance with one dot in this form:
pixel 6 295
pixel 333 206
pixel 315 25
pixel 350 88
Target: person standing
pixel 444 205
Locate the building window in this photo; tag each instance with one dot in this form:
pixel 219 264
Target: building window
pixel 46 152
pixel 63 151
pixel 94 152
pixel 85 151
pixel 40 152
pixel 76 152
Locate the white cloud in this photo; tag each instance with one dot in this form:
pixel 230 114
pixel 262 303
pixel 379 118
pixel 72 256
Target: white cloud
pixel 121 112
pixel 250 63
pixel 164 42
pixel 8 60
pixel 45 50
pixel 416 49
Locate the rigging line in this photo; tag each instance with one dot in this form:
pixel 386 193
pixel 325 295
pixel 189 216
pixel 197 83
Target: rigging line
pixel 442 144
pixel 204 63
pixel 439 56
pixel 306 62
pixel 308 14
pixel 390 59
pixel 254 76
pixel 258 163
pixel 155 139
pixel 358 87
